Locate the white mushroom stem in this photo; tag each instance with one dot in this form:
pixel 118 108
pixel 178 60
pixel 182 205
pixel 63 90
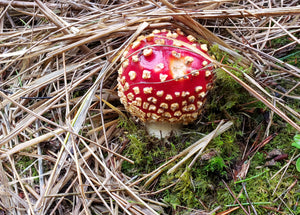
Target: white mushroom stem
pixel 162 129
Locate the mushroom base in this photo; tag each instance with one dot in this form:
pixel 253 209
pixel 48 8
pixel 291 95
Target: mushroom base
pixel 162 129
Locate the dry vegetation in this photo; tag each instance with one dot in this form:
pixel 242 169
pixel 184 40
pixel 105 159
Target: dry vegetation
pixel 61 148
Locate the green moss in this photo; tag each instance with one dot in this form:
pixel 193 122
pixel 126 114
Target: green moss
pixel 26 165
pixel 145 151
pixel 260 193
pixel 137 148
pixel 204 183
pixel 216 164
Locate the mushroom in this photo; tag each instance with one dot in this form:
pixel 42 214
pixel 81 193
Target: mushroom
pixel 163 81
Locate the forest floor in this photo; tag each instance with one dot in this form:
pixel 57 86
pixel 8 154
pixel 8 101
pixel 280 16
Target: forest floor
pixel 68 146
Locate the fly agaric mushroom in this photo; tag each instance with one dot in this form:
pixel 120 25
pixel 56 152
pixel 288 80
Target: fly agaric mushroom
pixel 163 81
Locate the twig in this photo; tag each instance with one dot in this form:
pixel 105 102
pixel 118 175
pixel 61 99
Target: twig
pixel 235 198
pixel 248 199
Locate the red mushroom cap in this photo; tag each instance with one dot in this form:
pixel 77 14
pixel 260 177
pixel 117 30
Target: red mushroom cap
pixel 162 79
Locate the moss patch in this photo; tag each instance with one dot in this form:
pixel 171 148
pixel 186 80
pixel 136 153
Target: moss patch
pixel 204 185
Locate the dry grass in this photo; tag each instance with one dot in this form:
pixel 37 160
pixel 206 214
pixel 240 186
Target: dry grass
pixel 59 60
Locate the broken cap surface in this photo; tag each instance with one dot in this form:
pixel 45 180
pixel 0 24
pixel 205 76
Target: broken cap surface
pixel 162 80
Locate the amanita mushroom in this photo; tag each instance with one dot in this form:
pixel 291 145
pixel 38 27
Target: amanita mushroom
pixel 163 81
